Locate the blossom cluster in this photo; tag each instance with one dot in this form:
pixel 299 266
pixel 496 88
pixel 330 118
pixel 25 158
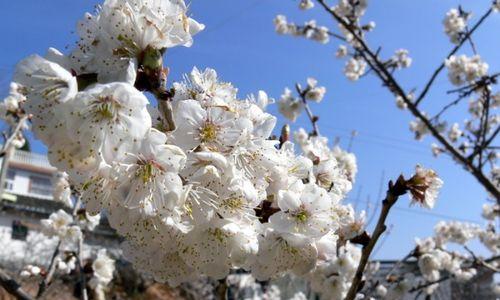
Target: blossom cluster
pixel 291 106
pixel 245 286
pixel 230 168
pixel 463 69
pixel 470 75
pixel 10 105
pixel 424 187
pixel 103 267
pixel 309 30
pixel 355 68
pixel 30 271
pixel 455 24
pixel 402 59
pixel 351 11
pixel 61 189
pixel 66 264
pixel 332 278
pixel 196 184
pixel 435 260
pixel 11 113
pixel 68 228
pixel 113 41
pixel 306 4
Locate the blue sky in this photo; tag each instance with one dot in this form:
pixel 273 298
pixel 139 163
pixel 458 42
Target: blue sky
pixel 240 43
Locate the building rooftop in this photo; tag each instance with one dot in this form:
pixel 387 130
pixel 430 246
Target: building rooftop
pixel 30 160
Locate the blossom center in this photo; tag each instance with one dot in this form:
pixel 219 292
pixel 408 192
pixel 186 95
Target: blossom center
pixel 301 216
pixel 104 111
pixel 234 203
pixel 147 171
pixel 107 107
pixel 129 47
pixel 208 133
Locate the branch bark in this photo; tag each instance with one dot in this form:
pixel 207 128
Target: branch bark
pixel 221 290
pixel 393 193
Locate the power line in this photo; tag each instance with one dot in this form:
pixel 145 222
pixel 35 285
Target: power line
pixel 372 135
pixel 437 215
pixel 424 213
pixel 232 17
pixel 402 148
pixel 389 142
pixel 225 21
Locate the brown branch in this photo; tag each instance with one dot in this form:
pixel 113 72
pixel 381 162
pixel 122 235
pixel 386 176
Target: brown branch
pixel 393 193
pixel 42 287
pixel 221 290
pixel 481 262
pixel 483 136
pixel 388 79
pixel 12 287
pixel 467 90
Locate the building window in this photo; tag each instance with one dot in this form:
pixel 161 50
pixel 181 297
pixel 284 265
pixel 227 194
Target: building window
pixel 19 231
pixel 40 186
pixel 9 181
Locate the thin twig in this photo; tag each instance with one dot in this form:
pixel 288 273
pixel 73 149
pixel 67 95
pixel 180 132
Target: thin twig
pixel 483 135
pixel 481 262
pixel 42 287
pixel 306 28
pixel 14 133
pixel 471 42
pixel 492 137
pixel 314 119
pixel 446 107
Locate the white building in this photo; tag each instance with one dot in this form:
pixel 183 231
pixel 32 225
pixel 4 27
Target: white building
pixel 30 175
pixel 26 200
